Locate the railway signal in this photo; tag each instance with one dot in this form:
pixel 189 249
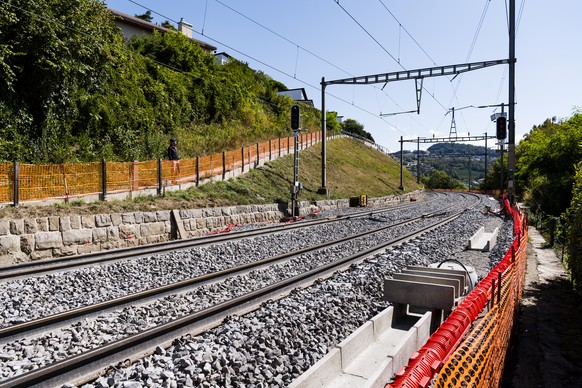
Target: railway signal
pixel 501 125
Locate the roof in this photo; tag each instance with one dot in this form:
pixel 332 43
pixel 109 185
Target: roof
pixel 148 26
pixel 297 94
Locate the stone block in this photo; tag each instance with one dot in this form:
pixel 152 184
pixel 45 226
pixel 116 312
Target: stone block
pixel 4 227
pixel 184 214
pixel 9 244
pixel 163 215
pixel 30 226
pixel 17 226
pixel 128 218
pixel 88 222
pixel 38 255
pixel 196 213
pixel 27 243
pixel 99 235
pixel 65 223
pixel 75 221
pixel 42 224
pixel 53 223
pixel 127 232
pixel 149 217
pixel 152 228
pixel 102 220
pixel 113 233
pixel 138 217
pixel 77 237
pixel 65 251
pixel 82 249
pixel 116 219
pixel 153 239
pixel 48 240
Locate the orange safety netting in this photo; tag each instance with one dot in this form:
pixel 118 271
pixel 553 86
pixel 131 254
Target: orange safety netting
pixel 446 350
pixel 6 182
pixel 119 176
pixel 46 181
pixel 477 360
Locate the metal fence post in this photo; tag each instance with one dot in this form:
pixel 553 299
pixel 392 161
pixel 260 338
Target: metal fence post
pixel 15 183
pixel 223 164
pixel 197 170
pixel 159 176
pixel 270 150
pixel 258 156
pixel 103 179
pixel 242 152
pixel 279 147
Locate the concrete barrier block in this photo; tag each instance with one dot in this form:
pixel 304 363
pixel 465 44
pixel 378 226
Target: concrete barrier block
pixel 356 343
pixel 322 372
pixel 423 329
pixel 382 322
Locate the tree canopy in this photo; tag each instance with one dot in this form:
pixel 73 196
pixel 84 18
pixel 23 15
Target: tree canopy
pixel 353 126
pixel 71 89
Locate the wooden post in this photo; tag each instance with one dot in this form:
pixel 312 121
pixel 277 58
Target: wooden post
pixel 160 177
pixel 223 165
pixel 16 182
pixel 103 180
pixel 197 171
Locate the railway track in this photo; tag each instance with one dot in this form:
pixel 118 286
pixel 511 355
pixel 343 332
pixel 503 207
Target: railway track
pixel 90 362
pixel 27 269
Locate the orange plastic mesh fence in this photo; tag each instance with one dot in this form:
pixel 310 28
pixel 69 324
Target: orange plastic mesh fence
pixel 233 160
pixel 46 181
pixel 145 174
pixel 478 360
pixel 205 166
pixel 263 150
pixel 119 176
pixel 6 182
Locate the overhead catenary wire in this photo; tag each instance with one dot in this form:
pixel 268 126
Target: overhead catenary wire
pixel 314 55
pixel 382 47
pixel 273 67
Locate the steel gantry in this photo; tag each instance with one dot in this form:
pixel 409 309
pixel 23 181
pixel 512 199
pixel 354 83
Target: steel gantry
pixel 424 140
pixel 418 75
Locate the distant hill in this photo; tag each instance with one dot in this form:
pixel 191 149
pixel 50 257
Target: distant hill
pixel 464 162
pixel 457 148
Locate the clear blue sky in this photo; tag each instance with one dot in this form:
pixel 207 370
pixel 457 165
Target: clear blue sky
pixel 548 79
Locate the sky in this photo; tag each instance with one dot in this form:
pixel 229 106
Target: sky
pixel 298 42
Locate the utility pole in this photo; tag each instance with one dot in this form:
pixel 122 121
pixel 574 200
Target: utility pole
pixel 511 145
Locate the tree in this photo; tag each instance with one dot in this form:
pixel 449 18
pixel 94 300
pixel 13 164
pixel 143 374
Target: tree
pixel 48 68
pixel 147 16
pixel 440 180
pixel 352 126
pixel 574 233
pixel 546 164
pixel 492 180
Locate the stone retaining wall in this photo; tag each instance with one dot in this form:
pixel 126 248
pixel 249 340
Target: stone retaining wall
pixel 46 237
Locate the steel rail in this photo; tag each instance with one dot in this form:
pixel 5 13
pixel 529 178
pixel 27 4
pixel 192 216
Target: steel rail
pixel 44 266
pixel 46 323
pixel 87 365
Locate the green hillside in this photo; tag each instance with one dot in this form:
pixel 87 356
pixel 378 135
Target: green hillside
pixel 352 169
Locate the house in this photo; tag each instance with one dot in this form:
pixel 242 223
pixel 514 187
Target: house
pixel 131 25
pixel 298 95
pixel 222 58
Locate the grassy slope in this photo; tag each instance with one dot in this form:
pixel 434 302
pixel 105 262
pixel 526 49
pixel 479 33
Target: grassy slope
pixel 352 169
